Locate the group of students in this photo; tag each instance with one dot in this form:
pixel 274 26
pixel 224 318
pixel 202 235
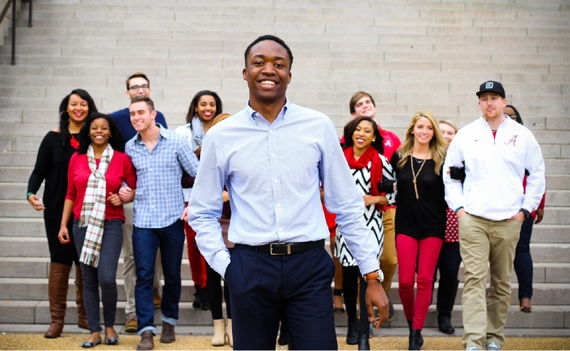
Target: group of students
pixel 90 172
pixel 277 151
pixel 411 176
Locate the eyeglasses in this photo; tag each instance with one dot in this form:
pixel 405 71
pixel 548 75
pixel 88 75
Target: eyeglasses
pixel 137 87
pixel 512 116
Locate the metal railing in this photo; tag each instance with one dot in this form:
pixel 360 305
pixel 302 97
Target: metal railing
pixel 3 14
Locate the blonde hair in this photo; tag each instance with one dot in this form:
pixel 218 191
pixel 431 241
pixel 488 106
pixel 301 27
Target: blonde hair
pixel 437 144
pixel 220 118
pixel 449 123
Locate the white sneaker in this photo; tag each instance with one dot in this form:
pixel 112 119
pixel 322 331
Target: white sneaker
pixel 472 348
pixel 493 346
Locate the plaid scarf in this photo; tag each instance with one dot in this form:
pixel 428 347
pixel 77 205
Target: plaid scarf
pixel 93 209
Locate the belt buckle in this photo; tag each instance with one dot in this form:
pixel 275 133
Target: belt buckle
pixel 273 253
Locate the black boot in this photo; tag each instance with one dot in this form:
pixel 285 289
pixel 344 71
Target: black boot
pixel 410 326
pixel 363 339
pixel 416 340
pixel 352 334
pixel 446 294
pixel 205 300
pixel 197 297
pixel 444 324
pixel 283 335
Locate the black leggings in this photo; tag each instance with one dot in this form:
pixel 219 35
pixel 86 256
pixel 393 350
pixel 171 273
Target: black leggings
pixel 351 275
pixel 214 290
pixel 59 253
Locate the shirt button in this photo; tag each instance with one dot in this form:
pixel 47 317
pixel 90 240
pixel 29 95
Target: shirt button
pixel 272 155
pixel 279 205
pixel 280 229
pixel 276 181
pixel 271 131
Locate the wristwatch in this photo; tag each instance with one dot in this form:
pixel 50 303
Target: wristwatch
pixel 525 213
pixel 378 275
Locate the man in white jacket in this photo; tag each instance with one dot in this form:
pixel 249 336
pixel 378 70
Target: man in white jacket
pixel 491 206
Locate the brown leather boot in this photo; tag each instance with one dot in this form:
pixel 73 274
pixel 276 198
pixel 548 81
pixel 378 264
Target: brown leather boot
pixel 146 341
pixel 57 291
pixel 81 312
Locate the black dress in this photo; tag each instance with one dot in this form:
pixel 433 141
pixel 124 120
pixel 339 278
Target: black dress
pixel 51 166
pixel 425 216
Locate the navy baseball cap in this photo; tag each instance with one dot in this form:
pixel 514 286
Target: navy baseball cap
pixel 491 86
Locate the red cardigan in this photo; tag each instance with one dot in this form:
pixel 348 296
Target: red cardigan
pixel 120 170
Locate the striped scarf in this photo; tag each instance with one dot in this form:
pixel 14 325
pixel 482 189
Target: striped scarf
pixel 93 209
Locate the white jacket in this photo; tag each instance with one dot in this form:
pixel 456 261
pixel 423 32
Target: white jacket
pixel 494 170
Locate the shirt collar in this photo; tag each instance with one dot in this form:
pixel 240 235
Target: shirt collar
pixel 162 133
pixel 254 115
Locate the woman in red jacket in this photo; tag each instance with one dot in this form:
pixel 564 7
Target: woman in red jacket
pixel 95 175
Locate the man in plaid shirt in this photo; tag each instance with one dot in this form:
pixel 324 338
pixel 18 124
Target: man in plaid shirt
pixel 159 156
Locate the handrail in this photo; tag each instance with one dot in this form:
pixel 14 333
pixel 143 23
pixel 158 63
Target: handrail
pixel 3 14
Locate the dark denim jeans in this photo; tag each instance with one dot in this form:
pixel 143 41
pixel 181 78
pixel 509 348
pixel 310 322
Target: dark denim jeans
pixel 146 243
pixel 104 276
pixel 523 260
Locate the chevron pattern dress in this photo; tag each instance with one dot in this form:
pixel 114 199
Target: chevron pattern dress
pixel 372 215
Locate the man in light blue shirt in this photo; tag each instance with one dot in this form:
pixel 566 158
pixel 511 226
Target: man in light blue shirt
pixel 159 156
pixel 272 157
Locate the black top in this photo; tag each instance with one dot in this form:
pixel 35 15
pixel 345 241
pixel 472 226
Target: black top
pixel 52 165
pixel 426 216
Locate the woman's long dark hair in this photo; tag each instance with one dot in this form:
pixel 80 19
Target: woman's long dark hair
pixel 115 139
pixel 194 104
pixel 519 119
pixel 64 116
pixel 350 127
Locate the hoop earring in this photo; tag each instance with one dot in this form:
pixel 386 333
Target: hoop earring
pixel 61 114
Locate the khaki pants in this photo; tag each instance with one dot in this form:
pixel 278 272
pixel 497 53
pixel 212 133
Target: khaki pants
pixel 389 259
pixel 482 243
pixel 129 270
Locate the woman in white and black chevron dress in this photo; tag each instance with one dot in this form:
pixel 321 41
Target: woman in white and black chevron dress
pixel 363 151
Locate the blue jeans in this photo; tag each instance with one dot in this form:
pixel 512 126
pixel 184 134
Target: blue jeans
pixel 146 242
pixel 104 276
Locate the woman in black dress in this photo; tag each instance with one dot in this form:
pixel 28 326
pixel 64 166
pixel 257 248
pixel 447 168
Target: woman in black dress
pixel 52 161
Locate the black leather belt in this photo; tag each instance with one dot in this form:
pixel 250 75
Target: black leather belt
pixel 287 248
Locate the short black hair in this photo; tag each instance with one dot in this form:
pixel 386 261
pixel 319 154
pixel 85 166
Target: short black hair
pixel 116 140
pixel 269 37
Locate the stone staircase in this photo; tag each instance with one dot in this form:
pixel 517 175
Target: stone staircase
pixel 410 55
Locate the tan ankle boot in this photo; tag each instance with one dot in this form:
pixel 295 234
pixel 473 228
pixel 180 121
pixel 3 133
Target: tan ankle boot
pixel 81 312
pixel 58 282
pixel 229 332
pixel 219 338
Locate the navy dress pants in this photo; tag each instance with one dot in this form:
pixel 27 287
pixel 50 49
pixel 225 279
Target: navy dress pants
pixel 296 287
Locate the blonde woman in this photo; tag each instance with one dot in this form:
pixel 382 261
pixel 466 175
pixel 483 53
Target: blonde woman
pixel 420 216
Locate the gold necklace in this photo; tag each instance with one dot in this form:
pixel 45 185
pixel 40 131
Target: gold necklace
pixel 415 175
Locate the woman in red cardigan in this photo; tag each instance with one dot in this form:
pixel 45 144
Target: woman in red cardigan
pixel 95 175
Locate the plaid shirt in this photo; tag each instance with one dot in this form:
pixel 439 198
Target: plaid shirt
pixel 159 201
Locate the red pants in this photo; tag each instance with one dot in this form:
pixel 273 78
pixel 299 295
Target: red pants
pixel 425 252
pixel 197 262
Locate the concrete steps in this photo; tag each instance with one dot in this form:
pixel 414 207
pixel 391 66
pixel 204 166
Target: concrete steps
pixel 410 55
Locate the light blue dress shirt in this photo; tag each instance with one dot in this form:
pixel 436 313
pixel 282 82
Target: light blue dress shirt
pixel 272 173
pixel 159 201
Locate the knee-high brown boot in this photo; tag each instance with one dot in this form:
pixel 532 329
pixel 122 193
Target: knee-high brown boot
pixel 81 312
pixel 57 290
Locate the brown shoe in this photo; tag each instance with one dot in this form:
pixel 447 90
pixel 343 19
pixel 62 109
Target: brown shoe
pixel 168 334
pixel 57 292
pixel 131 325
pixel 157 299
pixel 146 341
